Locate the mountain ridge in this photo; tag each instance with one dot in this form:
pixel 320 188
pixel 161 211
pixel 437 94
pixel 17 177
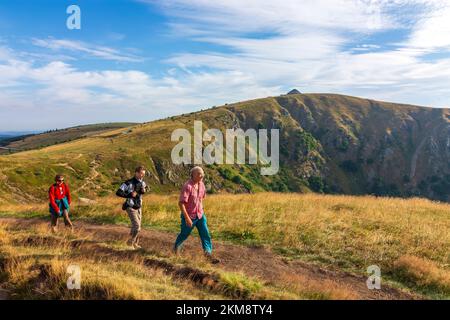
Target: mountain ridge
pixel 329 143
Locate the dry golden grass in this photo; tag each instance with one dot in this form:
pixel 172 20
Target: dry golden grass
pixel 424 273
pixel 339 232
pixel 323 289
pixel 38 270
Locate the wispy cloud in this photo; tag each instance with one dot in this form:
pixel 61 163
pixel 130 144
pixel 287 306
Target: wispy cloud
pixel 100 52
pixel 431 32
pixel 282 16
pixel 306 44
pixel 58 91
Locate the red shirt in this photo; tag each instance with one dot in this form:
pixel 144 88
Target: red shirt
pixel 57 193
pixel 193 198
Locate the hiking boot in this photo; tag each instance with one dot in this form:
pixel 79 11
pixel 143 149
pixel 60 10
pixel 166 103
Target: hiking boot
pixel 130 242
pixel 176 251
pixel 211 259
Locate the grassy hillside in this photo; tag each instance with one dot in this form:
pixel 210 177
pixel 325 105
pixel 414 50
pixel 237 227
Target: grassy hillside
pixel 408 239
pixel 328 144
pixel 48 138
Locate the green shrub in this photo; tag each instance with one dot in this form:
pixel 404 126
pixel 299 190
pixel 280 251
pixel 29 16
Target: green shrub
pixel 237 179
pixel 316 184
pixel 349 166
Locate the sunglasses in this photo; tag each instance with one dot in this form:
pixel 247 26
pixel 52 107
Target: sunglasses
pixel 60 180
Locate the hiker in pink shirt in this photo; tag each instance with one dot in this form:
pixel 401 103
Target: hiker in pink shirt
pixel 192 214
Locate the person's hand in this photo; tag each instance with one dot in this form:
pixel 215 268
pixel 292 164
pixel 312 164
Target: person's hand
pixel 189 222
pixel 134 194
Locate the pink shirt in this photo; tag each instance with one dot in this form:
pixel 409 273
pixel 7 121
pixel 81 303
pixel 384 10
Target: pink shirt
pixel 192 198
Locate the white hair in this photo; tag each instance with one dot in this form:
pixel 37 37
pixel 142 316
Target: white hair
pixel 197 168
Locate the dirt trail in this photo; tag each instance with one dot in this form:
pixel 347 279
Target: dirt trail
pixel 253 261
pixel 90 180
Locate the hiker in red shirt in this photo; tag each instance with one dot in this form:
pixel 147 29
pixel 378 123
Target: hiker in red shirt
pixel 59 198
pixel 192 214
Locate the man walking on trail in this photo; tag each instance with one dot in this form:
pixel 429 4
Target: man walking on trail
pixel 192 215
pixel 132 190
pixel 59 202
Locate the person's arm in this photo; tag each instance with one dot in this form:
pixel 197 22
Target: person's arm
pixel 184 197
pixel 51 198
pixel 143 188
pixel 204 191
pixel 185 214
pixel 69 198
pixel 124 193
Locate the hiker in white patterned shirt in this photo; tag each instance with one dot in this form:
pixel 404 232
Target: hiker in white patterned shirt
pixel 132 190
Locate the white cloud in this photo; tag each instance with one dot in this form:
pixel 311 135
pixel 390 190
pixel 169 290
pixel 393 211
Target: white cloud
pixel 5 53
pixel 305 44
pixel 100 52
pixel 59 92
pixel 281 16
pixel 432 31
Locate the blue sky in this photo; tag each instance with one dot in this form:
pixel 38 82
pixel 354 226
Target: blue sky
pixel 144 60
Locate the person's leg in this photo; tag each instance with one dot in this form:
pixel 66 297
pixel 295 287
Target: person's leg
pixel 184 233
pixel 205 236
pixel 133 215
pixel 139 220
pixel 54 222
pixel 67 221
